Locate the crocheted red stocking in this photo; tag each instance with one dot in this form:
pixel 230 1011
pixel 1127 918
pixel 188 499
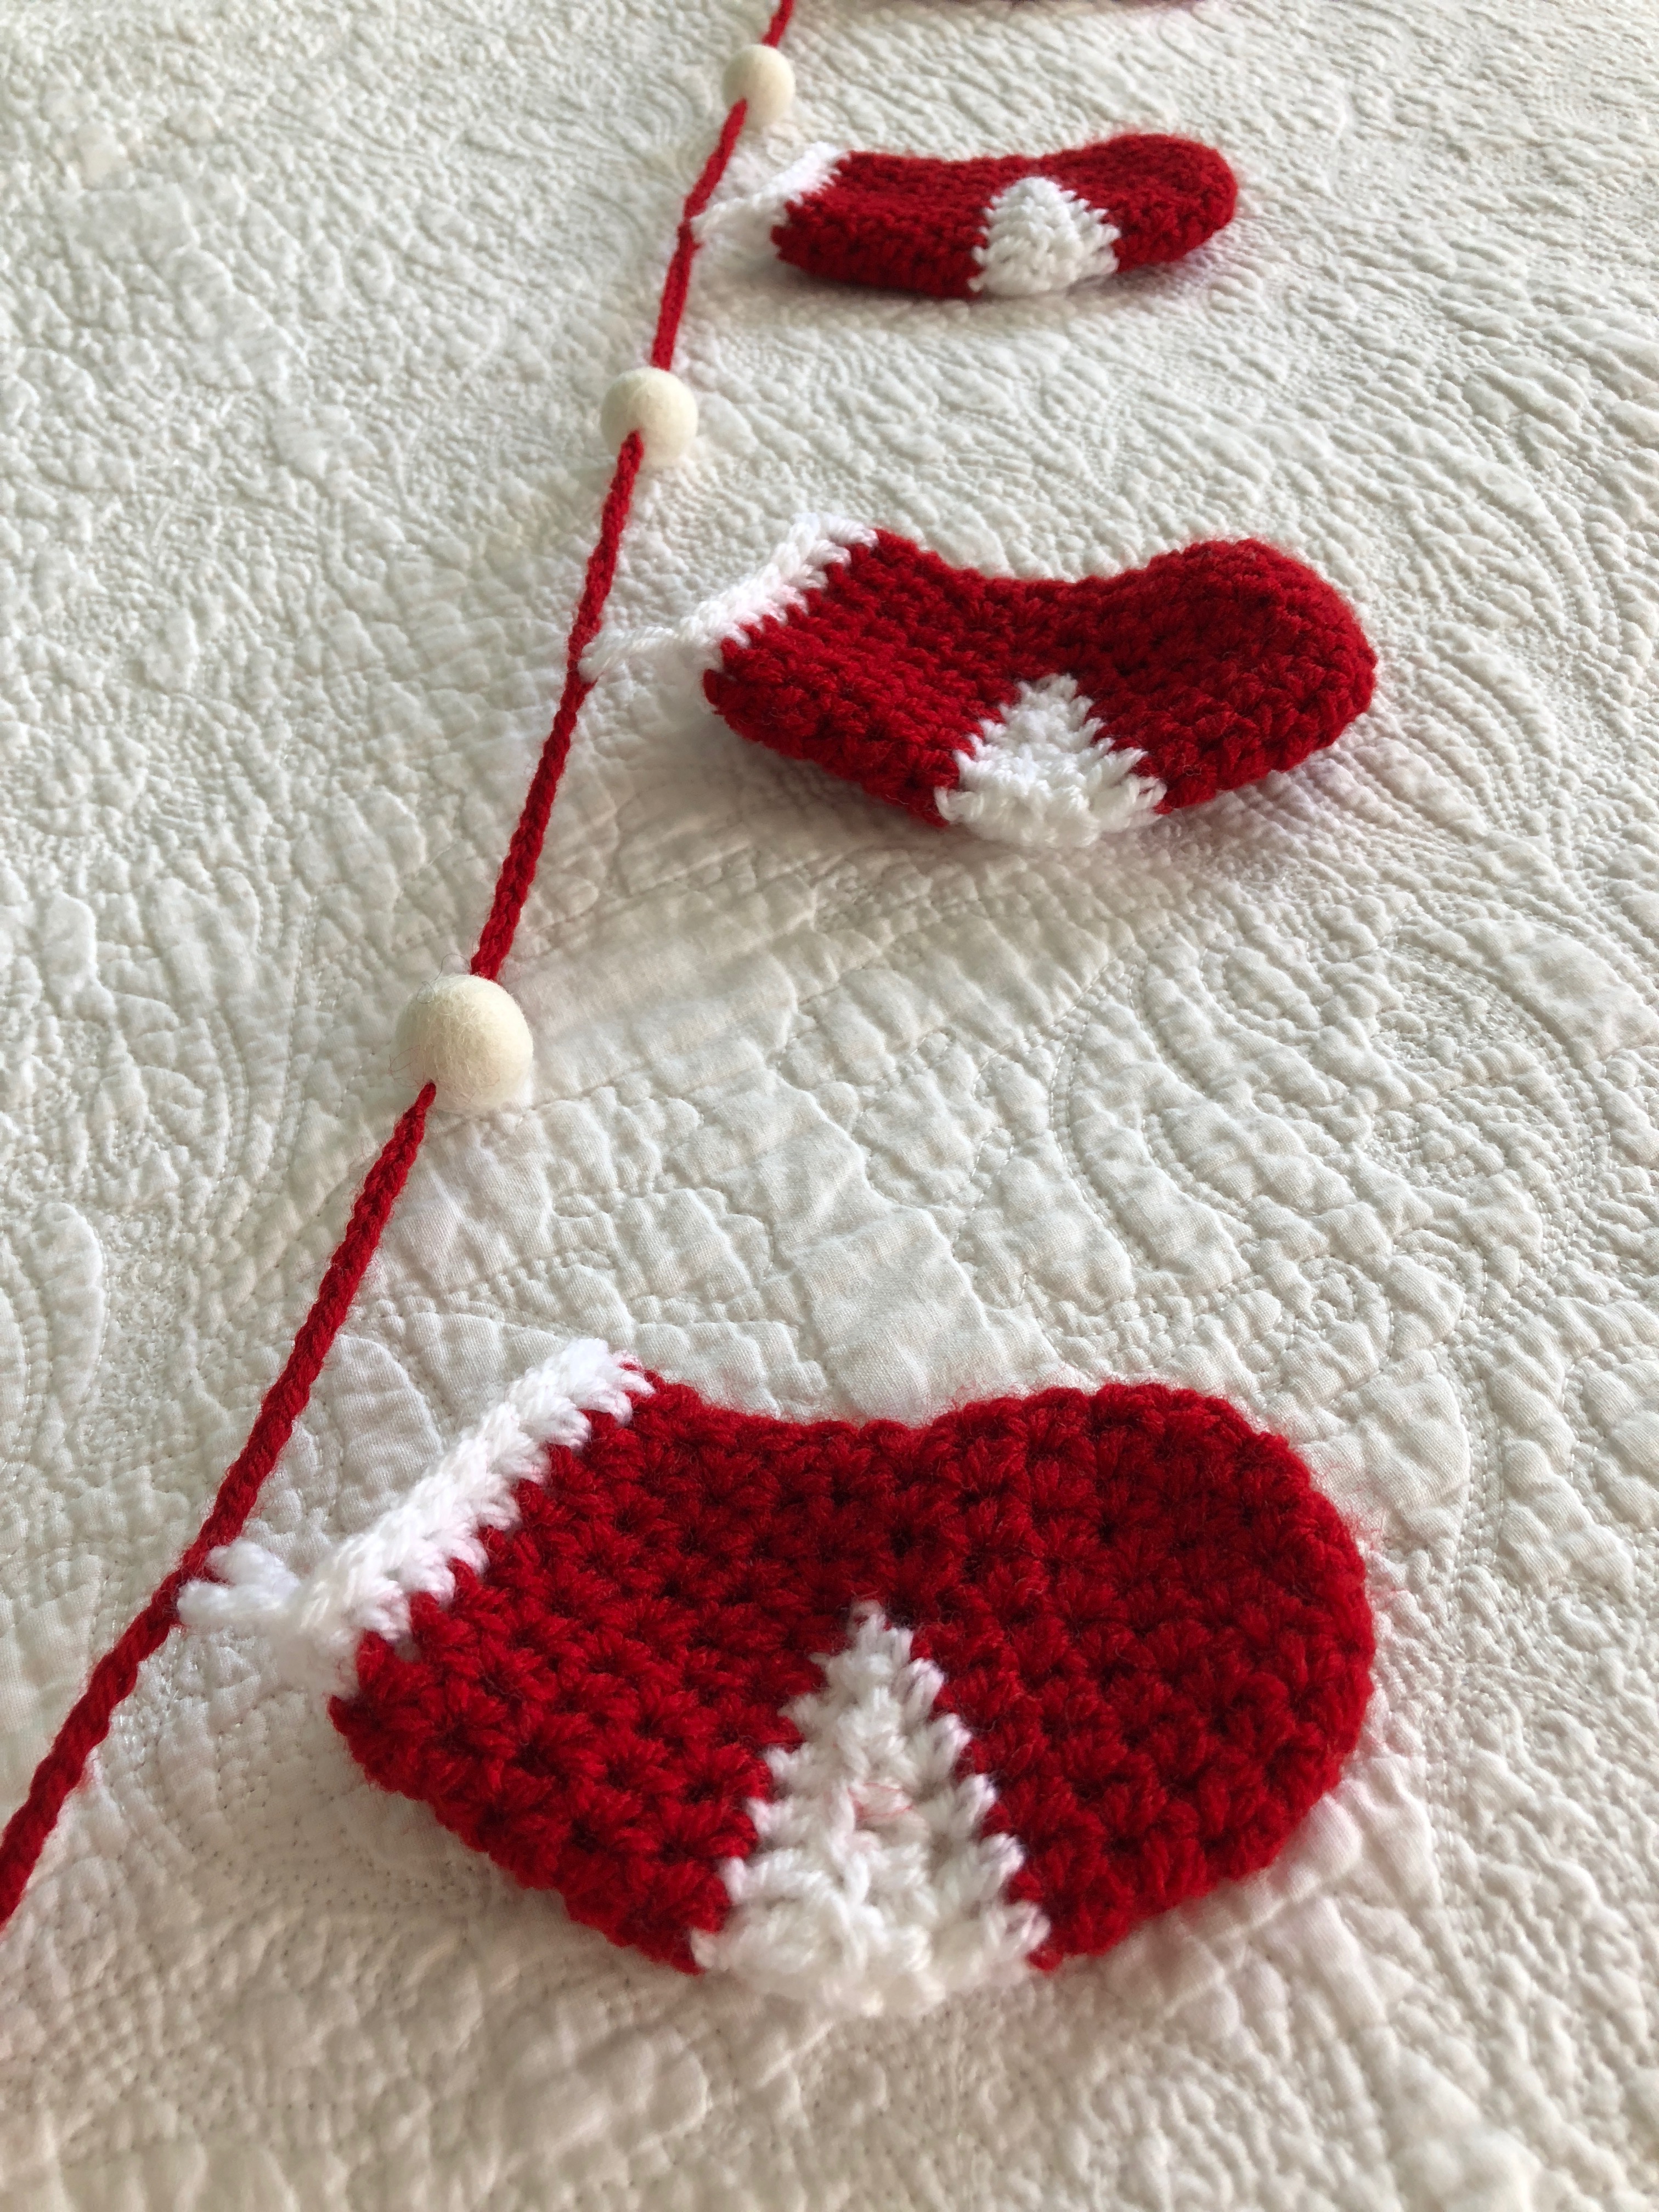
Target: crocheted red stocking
pixel 1013 225
pixel 864 1715
pixel 1039 712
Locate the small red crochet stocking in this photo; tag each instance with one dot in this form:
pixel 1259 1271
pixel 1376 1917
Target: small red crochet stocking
pixel 1040 713
pixel 866 1716
pixel 1012 225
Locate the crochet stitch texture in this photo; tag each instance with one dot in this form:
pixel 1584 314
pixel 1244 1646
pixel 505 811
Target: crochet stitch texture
pixel 1148 1630
pixel 926 226
pixel 1206 669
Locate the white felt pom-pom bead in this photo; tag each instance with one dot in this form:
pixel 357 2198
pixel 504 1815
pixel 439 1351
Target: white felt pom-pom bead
pixel 468 1036
pixel 657 405
pixel 763 81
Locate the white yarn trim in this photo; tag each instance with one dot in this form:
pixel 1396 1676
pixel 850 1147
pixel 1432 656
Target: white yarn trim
pixel 1040 238
pixel 367 1582
pixel 871 1889
pixel 1041 774
pixel 815 545
pixel 739 226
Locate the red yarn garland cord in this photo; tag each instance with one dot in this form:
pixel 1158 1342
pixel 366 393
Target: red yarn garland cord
pixel 116 1673
pixel 677 281
pixel 518 868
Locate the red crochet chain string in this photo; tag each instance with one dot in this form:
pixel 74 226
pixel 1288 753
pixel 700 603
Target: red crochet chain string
pixel 519 869
pixel 525 851
pixel 114 1676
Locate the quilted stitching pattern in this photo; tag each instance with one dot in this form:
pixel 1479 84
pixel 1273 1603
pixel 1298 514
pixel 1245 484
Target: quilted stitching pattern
pixel 1337 1100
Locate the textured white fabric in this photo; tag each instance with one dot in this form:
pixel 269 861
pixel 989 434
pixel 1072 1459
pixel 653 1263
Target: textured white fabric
pixel 870 1889
pixel 1044 775
pixel 1040 238
pixel 1337 1095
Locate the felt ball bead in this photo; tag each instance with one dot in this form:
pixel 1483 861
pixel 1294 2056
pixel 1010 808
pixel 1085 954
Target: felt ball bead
pixel 662 409
pixel 468 1036
pixel 763 81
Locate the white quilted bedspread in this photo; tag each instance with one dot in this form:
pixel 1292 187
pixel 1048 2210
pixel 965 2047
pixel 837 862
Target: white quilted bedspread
pixel 1340 1097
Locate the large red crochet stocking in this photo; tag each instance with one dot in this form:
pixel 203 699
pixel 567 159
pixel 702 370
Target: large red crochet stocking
pixel 866 1714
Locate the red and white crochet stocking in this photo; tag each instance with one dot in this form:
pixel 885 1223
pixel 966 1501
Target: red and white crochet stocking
pixel 1012 226
pixel 865 1716
pixel 1041 713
